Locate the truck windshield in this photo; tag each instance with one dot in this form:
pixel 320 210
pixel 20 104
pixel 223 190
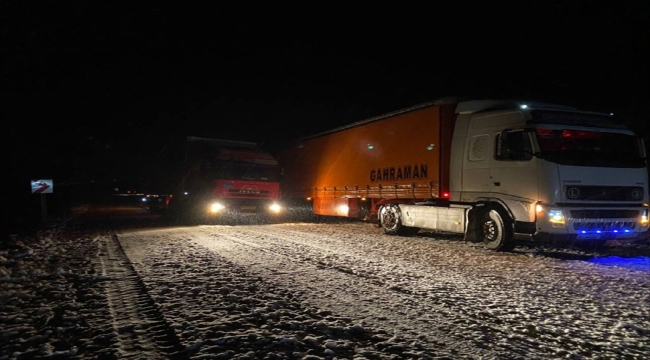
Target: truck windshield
pixel 589 148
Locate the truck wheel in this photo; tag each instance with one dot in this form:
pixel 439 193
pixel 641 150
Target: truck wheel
pixel 390 217
pixel 496 231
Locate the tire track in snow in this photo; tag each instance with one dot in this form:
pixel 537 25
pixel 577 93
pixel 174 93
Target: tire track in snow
pixel 224 308
pixel 139 329
pixel 390 305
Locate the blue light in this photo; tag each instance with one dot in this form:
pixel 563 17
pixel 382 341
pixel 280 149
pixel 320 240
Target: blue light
pixel 614 231
pixel 641 263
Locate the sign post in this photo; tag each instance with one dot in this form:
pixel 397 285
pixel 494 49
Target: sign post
pixel 43 209
pixel 43 187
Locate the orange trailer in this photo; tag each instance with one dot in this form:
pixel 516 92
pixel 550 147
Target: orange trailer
pixel 348 171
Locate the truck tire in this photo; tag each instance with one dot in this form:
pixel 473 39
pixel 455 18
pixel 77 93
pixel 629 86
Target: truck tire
pixel 390 218
pixel 496 231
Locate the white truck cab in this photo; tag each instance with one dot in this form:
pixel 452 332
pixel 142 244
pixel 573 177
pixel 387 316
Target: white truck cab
pixel 549 172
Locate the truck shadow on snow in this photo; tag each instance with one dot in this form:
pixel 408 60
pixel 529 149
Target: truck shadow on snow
pixel 567 251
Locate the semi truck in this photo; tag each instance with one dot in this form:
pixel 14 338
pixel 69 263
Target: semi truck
pixel 212 178
pixel 496 171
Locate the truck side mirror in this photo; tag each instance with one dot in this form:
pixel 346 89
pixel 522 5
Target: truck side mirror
pixel 501 148
pixel 641 146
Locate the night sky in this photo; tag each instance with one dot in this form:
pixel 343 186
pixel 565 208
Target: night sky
pixel 99 90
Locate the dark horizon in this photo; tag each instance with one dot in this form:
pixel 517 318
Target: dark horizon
pixel 95 92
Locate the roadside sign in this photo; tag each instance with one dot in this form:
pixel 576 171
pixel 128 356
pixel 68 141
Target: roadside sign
pixel 42 186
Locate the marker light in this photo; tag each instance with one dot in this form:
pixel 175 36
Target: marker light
pixel 343 210
pixel 644 217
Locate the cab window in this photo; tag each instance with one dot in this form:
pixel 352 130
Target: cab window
pixel 513 145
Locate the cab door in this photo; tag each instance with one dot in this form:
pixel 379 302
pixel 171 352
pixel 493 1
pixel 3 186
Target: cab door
pixel 513 171
pixel 476 167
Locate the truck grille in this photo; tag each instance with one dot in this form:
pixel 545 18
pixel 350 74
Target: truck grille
pixel 605 214
pixel 608 226
pixel 604 193
pixel 249 194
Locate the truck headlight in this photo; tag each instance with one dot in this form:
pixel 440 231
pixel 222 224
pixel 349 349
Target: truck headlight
pixel 275 208
pixel 216 207
pixel 556 217
pixel 644 217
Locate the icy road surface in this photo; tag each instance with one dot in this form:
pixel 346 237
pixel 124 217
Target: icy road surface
pixel 347 291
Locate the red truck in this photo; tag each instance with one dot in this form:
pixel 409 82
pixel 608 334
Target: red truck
pixel 219 177
pixel 497 171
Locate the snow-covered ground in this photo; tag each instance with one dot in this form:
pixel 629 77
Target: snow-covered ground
pixel 312 291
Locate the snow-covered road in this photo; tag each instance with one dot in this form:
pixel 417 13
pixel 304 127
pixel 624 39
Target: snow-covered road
pixel 318 291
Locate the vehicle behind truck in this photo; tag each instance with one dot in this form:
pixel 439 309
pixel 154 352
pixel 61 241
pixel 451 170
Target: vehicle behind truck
pixel 496 171
pixel 215 178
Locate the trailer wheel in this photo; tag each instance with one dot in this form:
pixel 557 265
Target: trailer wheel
pixel 496 231
pixel 390 218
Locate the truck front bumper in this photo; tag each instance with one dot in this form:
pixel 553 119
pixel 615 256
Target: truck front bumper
pixel 592 223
